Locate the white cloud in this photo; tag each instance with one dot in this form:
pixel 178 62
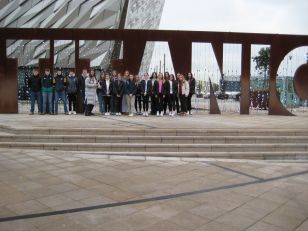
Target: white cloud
pixel 260 16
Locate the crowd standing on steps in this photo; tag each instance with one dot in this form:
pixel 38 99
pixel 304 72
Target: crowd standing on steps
pixel 159 94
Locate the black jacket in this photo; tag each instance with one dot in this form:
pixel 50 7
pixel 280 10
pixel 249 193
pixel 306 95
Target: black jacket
pixel 149 87
pixel 47 81
pixel 192 85
pixel 35 83
pixel 168 86
pixel 118 87
pixel 81 83
pixel 156 88
pixel 104 87
pixel 138 90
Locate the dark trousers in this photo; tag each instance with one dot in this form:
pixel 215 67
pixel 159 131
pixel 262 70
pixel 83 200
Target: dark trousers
pixel 166 102
pixel 153 105
pixel 138 103
pixel 89 108
pixel 72 100
pixel 83 100
pixel 171 103
pixel 145 99
pixel 189 102
pixel 118 104
pixel 160 102
pixel 112 103
pixel 107 100
pixel 183 101
pixel 177 104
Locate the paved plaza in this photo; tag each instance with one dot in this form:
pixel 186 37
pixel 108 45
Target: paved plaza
pixel 52 190
pixel 76 190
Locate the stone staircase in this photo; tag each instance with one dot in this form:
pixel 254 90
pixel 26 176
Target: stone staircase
pixel 284 144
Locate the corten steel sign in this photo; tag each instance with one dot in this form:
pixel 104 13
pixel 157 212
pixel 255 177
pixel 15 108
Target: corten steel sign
pixel 180 44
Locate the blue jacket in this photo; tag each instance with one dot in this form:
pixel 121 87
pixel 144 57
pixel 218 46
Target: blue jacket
pixel 131 87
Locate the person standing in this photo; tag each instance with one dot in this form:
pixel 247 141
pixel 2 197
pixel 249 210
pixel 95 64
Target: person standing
pixel 72 87
pixel 100 95
pixel 183 87
pixel 81 84
pixel 112 97
pixel 138 95
pixel 167 89
pixel 159 94
pixel 35 85
pixel 47 89
pixel 107 88
pixel 118 90
pixel 146 86
pixel 131 89
pixel 60 82
pixel 192 85
pixel 177 104
pixel 124 100
pixel 90 94
pixel 153 98
pixel 173 91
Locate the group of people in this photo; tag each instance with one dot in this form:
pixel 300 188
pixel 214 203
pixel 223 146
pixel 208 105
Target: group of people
pixel 117 94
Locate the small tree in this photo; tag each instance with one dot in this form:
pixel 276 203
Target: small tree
pixel 262 61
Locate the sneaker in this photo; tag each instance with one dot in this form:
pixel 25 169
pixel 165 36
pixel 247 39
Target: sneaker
pixel 130 115
pixel 74 113
pixel 146 114
pixel 31 113
pixel 70 112
pixel 161 114
pixel 120 113
pixel 157 114
pixel 170 113
pixel 66 113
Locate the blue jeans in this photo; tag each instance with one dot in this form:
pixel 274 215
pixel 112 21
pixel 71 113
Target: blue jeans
pixel 61 95
pixel 101 103
pixel 35 96
pixel 47 96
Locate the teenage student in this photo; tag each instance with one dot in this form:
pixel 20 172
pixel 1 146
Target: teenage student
pixel 138 95
pixel 183 92
pixel 71 90
pixel 118 90
pixel 192 85
pixel 47 91
pixel 173 91
pixel 153 99
pixel 100 95
pixel 90 93
pixel 35 86
pixel 167 89
pixel 107 88
pixel 159 94
pixel 146 86
pixel 131 89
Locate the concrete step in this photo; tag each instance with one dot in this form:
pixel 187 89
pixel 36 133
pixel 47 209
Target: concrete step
pixel 198 155
pixel 154 139
pixel 176 148
pixel 154 132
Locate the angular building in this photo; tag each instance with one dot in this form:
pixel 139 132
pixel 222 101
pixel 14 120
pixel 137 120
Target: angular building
pixel 112 14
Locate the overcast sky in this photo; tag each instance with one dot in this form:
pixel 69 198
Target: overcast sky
pixel 261 16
